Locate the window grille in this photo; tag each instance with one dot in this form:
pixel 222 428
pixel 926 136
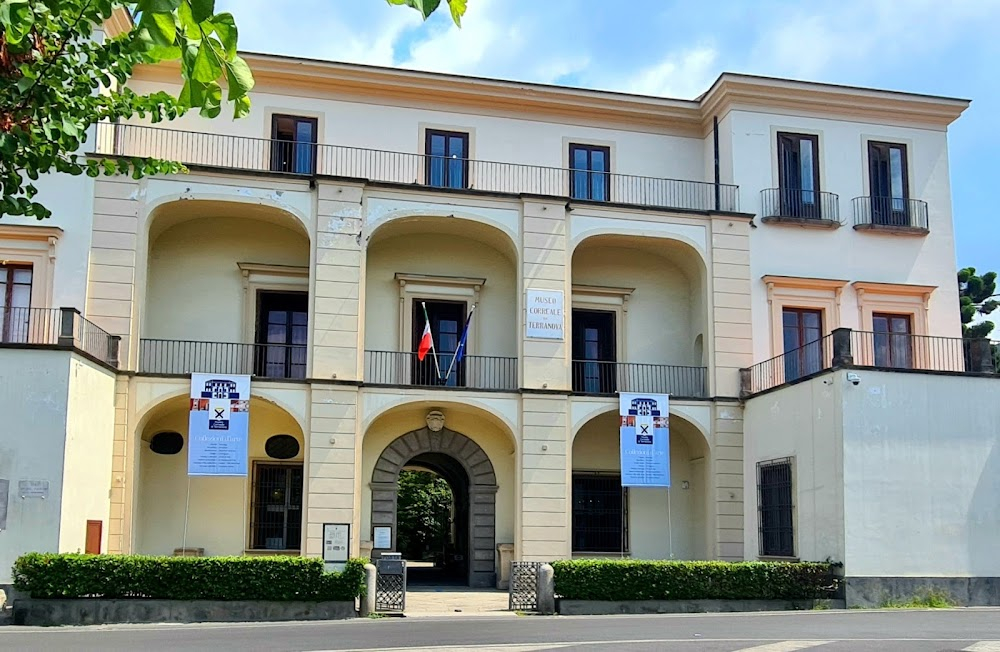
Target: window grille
pixel 774 490
pixel 276 511
pixel 600 513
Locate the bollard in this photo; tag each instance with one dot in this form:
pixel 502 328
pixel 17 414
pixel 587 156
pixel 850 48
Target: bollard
pixel 368 600
pixel 546 590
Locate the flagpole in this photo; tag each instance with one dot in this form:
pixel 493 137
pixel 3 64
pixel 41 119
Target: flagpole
pixel 461 344
pixel 427 320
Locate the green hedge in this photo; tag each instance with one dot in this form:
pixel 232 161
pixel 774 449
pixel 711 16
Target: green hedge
pixel 622 580
pixel 186 578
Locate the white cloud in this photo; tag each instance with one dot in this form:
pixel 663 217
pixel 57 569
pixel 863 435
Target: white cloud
pixel 683 75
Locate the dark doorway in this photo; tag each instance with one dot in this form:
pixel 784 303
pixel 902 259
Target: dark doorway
pixel 447 319
pixel 282 333
pixel 594 352
pixel 432 520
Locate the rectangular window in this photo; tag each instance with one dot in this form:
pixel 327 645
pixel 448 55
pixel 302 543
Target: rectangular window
pixel 282 334
pixel 447 159
pixel 802 330
pixel 600 513
pixel 890 191
pixel 774 499
pixel 590 166
pixel 276 512
pixel 798 175
pixel 15 304
pixel 447 320
pixel 293 144
pixel 594 355
pixel 893 339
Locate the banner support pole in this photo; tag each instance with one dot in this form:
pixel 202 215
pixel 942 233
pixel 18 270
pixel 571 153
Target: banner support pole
pixel 187 509
pixel 670 526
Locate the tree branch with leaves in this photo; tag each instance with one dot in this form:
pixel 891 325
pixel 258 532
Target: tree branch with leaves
pixel 58 77
pixel 428 7
pixel 976 296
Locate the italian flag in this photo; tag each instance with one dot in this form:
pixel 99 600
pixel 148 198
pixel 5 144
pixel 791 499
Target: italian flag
pixel 426 342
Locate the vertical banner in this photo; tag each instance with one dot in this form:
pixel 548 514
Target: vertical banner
pixel 219 425
pixel 645 439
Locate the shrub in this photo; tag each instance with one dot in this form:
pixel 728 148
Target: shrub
pixel 186 578
pixel 622 580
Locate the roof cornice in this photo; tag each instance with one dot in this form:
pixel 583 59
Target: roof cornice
pixel 730 91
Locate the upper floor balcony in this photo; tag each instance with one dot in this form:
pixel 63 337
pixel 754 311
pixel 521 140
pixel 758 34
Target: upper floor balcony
pixel 63 328
pixel 441 172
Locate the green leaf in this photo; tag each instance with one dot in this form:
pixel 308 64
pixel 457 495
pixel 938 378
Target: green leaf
pixel 239 77
pixel 69 127
pixel 425 7
pixel 158 6
pixel 17 19
pixel 161 29
pixel 457 8
pixel 225 29
pixel 207 67
pixel 211 107
pixel 241 107
pixel 201 10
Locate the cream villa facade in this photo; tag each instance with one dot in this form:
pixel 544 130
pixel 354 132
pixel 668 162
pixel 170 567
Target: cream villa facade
pixel 687 240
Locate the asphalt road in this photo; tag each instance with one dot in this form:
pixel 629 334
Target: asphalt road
pixel 975 630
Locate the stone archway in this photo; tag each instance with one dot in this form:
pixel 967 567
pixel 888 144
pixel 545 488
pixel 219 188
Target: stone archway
pixel 435 441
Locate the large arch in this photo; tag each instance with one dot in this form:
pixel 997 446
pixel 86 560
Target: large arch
pixel 448 453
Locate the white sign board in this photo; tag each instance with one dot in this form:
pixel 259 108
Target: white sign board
pixel 219 425
pixel 336 542
pixel 382 538
pixel 545 314
pixel 645 439
pixel 33 489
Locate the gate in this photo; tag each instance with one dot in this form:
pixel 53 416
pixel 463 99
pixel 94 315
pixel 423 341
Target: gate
pixel 524 585
pixel 390 583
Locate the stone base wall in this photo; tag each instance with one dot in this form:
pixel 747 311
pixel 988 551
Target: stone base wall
pixel 601 607
pixel 963 591
pixel 47 613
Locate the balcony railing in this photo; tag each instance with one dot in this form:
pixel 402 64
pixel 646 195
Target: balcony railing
pixel 607 378
pixel 262 155
pixel 789 367
pixel 402 368
pixel 873 350
pixel 889 213
pixel 64 327
pixel 178 357
pixel 800 205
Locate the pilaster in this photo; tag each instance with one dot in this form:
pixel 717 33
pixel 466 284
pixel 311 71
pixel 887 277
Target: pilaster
pixel 733 339
pixel 727 476
pixel 543 459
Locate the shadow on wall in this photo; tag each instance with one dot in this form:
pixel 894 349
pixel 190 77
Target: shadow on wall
pixel 984 515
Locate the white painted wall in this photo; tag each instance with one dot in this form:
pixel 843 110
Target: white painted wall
pixel 34 386
pixel 193 275
pixel 921 475
pixel 844 253
pixel 90 422
pixel 803 422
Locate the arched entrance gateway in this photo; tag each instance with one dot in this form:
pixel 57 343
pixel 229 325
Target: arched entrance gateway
pixel 468 470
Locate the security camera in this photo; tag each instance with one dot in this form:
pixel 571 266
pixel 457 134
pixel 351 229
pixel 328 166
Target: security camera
pixel 854 378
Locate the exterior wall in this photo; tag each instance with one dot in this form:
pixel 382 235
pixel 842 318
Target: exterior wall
pixel 193 274
pixel 89 428
pixel 374 125
pixel 217 506
pixel 34 388
pixel 805 422
pixel 843 253
pixel 921 466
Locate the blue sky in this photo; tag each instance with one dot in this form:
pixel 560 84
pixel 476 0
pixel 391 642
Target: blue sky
pixel 674 48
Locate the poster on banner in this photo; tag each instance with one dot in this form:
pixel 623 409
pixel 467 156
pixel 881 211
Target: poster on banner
pixel 219 425
pixel 645 439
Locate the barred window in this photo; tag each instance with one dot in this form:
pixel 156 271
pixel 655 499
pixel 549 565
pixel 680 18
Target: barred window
pixel 276 512
pixel 774 493
pixel 600 513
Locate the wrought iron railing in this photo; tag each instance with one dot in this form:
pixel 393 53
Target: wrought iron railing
pixel 606 378
pixel 800 204
pixel 803 362
pixel 890 213
pixel 926 352
pixel 64 327
pixel 263 155
pixel 402 368
pixel 176 357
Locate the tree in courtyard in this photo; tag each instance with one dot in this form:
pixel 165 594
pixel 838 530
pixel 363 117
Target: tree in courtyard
pixel 976 295
pixel 428 7
pixel 423 515
pixel 56 80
